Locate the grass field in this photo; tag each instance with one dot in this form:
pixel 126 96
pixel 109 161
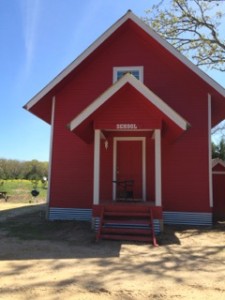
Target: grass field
pixel 19 190
pixel 29 223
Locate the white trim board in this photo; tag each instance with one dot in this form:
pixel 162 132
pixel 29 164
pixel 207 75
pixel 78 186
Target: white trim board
pixel 51 154
pixel 103 37
pixel 210 150
pixel 141 88
pixel 143 140
pixel 218 161
pixel 218 173
pixel 140 69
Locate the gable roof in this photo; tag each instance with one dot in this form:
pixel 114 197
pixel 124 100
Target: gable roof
pixel 218 161
pixel 142 89
pixel 128 16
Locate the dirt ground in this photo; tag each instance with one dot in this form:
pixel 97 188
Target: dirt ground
pixel 67 263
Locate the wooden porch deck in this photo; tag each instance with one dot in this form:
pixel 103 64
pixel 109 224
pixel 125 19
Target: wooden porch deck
pixel 128 206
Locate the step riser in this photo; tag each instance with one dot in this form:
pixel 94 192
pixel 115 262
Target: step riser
pixel 127 225
pixel 127 221
pixel 127 214
pixel 127 231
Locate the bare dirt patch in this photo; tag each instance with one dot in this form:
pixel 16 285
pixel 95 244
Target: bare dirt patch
pixel 61 260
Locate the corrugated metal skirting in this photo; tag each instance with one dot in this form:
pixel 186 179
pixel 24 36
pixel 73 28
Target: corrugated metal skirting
pixel 173 218
pixel 79 214
pixel 187 218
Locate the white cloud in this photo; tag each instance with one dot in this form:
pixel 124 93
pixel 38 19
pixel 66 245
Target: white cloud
pixel 30 18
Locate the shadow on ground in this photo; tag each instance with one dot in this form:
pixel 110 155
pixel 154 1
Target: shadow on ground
pixel 26 234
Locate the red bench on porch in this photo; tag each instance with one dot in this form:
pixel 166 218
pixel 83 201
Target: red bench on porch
pixel 124 189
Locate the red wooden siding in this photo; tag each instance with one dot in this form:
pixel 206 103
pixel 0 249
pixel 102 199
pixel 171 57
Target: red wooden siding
pixel 127 106
pixel 184 162
pixel 218 168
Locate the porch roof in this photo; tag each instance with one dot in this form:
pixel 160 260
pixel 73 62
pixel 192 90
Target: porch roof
pixel 161 110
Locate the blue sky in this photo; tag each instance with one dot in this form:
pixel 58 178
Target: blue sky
pixel 39 38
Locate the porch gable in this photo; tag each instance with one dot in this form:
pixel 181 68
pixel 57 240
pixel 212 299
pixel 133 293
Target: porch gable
pixel 158 109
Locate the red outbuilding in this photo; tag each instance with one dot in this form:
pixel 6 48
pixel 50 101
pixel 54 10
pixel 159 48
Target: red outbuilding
pixel 218 172
pixel 131 123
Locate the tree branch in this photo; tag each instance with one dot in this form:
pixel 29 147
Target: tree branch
pixel 190 26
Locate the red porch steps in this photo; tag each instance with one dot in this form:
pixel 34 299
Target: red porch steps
pixel 131 225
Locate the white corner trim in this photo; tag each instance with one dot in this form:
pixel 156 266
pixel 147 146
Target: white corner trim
pixel 104 36
pixel 210 149
pixel 141 88
pixel 51 152
pixel 140 69
pixel 133 138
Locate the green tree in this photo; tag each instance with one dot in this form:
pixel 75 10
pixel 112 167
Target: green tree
pixel 214 150
pixel 15 169
pixel 218 151
pixel 35 170
pixel 9 169
pixel 193 27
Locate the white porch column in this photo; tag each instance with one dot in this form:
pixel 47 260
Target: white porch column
pixel 158 176
pixel 96 166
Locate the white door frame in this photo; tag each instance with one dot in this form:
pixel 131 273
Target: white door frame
pixel 143 140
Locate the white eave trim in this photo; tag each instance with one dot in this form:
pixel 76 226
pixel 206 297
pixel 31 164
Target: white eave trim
pixel 179 56
pixel 217 161
pixel 103 37
pixel 140 87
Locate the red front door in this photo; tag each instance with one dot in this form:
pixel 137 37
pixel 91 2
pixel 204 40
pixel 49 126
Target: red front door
pixel 129 165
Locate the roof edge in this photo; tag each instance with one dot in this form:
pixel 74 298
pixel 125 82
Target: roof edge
pixel 78 60
pixel 179 55
pixel 216 161
pixel 103 37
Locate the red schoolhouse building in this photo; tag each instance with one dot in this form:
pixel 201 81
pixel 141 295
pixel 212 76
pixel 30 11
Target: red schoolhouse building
pixel 131 123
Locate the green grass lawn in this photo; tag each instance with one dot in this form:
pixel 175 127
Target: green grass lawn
pixel 19 190
pixel 28 222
